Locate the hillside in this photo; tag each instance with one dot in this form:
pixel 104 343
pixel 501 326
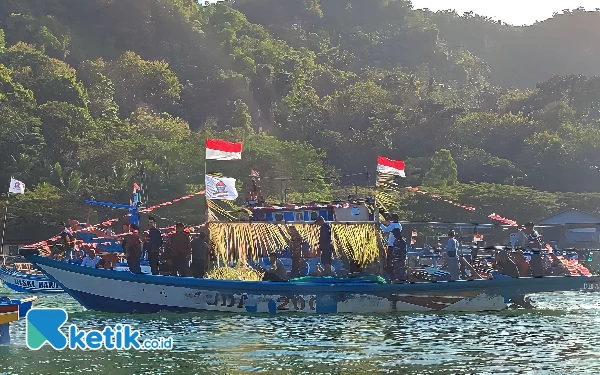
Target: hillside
pixel 95 92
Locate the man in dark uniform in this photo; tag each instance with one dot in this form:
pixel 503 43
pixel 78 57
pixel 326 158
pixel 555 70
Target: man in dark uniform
pixel 325 245
pixel 200 255
pixel 154 242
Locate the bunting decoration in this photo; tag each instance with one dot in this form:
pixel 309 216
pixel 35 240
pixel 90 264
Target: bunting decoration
pixel 107 223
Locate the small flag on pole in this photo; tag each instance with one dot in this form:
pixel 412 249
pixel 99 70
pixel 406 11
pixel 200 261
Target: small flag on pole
pixel 16 187
pixel 220 188
pixel 388 166
pixel 222 150
pixel 477 237
pixel 254 173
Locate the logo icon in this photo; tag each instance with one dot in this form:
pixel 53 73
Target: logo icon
pixel 221 187
pixel 43 326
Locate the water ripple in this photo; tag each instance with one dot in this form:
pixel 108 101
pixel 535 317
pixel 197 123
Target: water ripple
pixel 561 337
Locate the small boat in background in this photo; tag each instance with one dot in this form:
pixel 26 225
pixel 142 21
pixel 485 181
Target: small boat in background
pixel 23 278
pixel 12 310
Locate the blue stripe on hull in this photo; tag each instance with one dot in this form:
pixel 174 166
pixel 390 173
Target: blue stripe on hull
pixel 110 305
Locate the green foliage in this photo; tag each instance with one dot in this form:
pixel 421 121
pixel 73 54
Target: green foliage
pixel 443 172
pixel 94 92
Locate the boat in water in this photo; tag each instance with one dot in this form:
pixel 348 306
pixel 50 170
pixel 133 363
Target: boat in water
pixel 12 310
pixel 22 278
pixel 124 292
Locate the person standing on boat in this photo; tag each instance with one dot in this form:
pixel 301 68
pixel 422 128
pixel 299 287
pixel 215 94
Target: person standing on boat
pixel 398 255
pixel 125 235
pixel 200 256
pixel 181 251
pixel 134 250
pixel 68 241
pixel 388 227
pixel 295 250
pixel 325 245
pixel 154 243
pixel 535 264
pixel 452 260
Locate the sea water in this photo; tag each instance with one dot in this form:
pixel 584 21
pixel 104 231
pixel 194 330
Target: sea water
pixel 561 337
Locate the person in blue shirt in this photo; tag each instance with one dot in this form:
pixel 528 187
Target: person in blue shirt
pixel 388 227
pixel 154 243
pixel 325 245
pixel 452 261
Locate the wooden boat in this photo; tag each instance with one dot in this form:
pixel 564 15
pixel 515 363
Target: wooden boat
pixel 123 292
pixel 22 278
pixel 25 279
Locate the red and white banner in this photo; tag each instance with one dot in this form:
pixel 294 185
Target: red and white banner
pixel 388 166
pixel 222 150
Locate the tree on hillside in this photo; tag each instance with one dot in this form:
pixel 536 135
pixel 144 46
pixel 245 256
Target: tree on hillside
pixel 443 171
pixel 241 120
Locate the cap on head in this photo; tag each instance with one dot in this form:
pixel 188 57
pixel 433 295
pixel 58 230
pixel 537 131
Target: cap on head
pixel 397 232
pixel 395 217
pixel 320 220
pixel 451 233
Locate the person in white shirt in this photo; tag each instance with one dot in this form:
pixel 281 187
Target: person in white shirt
pixel 388 227
pixel 452 255
pixel 91 260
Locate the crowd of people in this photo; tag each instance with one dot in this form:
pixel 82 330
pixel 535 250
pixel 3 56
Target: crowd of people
pixel 183 254
pixel 178 254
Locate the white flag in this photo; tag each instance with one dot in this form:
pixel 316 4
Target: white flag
pixel 220 188
pixel 16 187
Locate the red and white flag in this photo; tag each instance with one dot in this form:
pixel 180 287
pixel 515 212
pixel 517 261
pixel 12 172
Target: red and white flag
pixel 388 166
pixel 222 150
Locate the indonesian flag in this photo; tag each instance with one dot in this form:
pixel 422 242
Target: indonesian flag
pixel 222 150
pixel 220 188
pixel 16 187
pixel 254 173
pixel 393 167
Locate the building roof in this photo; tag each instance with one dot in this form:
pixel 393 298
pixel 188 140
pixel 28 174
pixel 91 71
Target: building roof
pixel 571 216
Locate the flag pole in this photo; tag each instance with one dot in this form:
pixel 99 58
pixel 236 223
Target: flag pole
pixel 207 212
pixel 4 228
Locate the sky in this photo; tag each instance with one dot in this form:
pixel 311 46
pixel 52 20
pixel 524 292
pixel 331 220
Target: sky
pixel 515 12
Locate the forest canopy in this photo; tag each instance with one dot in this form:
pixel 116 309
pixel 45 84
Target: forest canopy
pixel 94 92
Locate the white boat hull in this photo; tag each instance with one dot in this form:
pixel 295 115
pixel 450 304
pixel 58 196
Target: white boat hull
pixel 119 296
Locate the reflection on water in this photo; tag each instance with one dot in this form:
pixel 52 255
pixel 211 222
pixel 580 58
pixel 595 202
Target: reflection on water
pixel 561 337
